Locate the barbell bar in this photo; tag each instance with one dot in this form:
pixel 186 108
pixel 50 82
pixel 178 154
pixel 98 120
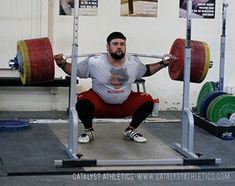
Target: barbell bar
pixel 164 57
pixel 35 63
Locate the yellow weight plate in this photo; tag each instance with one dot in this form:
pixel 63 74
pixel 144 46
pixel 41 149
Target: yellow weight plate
pixel 26 75
pixel 207 62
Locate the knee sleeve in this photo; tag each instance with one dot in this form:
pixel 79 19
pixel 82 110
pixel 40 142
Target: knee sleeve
pixel 141 114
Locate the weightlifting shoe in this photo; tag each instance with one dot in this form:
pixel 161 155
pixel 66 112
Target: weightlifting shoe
pixel 86 136
pixel 134 136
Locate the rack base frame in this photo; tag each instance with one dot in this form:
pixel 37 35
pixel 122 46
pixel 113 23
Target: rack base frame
pixel 211 127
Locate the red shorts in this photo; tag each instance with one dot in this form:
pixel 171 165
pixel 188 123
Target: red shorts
pixel 105 110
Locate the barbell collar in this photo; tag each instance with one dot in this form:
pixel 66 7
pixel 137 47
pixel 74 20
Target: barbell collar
pixel 13 64
pixel 16 63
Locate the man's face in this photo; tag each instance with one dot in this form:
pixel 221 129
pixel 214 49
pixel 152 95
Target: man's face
pixel 117 48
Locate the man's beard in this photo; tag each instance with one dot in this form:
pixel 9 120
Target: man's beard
pixel 117 56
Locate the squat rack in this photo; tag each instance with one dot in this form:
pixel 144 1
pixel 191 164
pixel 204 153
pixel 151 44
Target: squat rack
pixel 222 46
pixel 186 146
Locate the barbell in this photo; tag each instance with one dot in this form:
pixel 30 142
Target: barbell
pixel 35 63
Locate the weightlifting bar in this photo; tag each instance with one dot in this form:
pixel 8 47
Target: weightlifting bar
pixel 164 57
pixel 34 60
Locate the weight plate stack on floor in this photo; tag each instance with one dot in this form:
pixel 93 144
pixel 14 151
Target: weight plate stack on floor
pixel 207 100
pixel 221 107
pixel 207 88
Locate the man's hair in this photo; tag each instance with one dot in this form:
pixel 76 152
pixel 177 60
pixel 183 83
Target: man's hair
pixel 115 35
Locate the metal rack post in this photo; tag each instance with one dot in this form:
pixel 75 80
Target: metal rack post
pixel 222 46
pixel 186 146
pixel 73 117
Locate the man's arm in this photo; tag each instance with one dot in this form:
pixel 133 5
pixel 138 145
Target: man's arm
pixel 61 62
pixel 155 67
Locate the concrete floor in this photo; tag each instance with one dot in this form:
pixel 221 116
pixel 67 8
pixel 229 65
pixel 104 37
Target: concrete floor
pixel 109 144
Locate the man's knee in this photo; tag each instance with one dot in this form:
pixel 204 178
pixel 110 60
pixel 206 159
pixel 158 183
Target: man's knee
pixel 147 106
pixel 145 97
pixel 84 105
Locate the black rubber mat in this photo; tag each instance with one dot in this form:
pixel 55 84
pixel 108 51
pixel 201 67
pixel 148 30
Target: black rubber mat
pixel 32 151
pixel 205 144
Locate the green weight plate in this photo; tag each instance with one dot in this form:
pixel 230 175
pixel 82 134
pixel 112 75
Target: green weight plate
pixel 206 89
pixel 221 107
pixel 207 100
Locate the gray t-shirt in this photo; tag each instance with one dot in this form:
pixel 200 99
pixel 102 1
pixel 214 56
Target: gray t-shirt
pixel 112 84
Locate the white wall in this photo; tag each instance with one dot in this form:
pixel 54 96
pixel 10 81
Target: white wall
pixel 152 36
pixel 23 19
pixel 145 35
pixel 20 19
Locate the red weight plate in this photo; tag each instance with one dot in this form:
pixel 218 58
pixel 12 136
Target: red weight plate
pixel 198 60
pixel 176 69
pixel 41 59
